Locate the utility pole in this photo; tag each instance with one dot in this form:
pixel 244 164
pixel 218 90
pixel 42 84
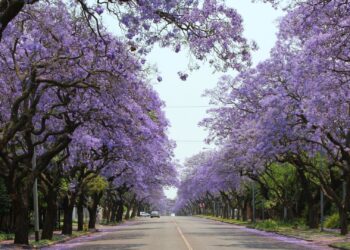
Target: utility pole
pixel 344 188
pixel 35 197
pixel 322 209
pixel 285 213
pixel 285 199
pixel 253 201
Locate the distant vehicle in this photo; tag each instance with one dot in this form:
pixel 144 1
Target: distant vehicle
pixel 155 214
pixel 172 214
pixel 144 214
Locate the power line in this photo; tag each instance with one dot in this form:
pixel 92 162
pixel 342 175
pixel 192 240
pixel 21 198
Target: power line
pixel 184 107
pixel 189 140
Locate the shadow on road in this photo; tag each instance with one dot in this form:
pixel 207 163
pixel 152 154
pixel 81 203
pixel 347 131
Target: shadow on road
pixel 106 246
pixel 258 245
pixel 138 229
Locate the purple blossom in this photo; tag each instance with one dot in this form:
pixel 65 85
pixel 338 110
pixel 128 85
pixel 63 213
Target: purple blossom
pixel 99 9
pixel 183 76
pixel 177 48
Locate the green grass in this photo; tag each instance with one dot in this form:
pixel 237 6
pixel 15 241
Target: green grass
pixel 295 228
pixel 301 231
pixel 104 222
pixel 42 243
pixel 55 239
pixel 6 236
pixel 267 225
pixel 341 245
pixel 232 221
pixel 79 233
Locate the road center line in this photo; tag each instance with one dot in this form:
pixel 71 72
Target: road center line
pixel 183 236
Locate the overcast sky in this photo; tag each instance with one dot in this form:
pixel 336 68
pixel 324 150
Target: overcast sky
pixel 185 106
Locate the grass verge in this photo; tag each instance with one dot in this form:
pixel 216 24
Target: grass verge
pixel 231 221
pixel 56 239
pixel 6 236
pixel 295 229
pixel 341 245
pixel 105 223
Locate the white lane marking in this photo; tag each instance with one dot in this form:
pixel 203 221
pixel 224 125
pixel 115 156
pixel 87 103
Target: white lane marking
pixel 183 236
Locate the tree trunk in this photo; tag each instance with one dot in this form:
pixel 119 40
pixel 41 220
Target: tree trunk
pixel 58 222
pixel 134 210
pixel 227 210
pixel 127 214
pixel 92 216
pixel 139 209
pixel 343 221
pixel 120 211
pixel 106 215
pixel 80 212
pixel 50 216
pixel 113 215
pixel 93 209
pixel 68 217
pixel 41 216
pixel 21 209
pixel 311 200
pixel 313 219
pixel 244 210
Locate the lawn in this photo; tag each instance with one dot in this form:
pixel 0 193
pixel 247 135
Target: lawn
pixel 341 245
pixel 56 238
pixel 6 236
pixel 295 229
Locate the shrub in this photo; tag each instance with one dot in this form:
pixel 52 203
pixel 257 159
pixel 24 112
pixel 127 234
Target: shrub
pixel 6 236
pixel 85 227
pixel 269 225
pixel 332 221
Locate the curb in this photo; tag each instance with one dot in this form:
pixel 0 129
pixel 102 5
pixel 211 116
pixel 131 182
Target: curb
pixel 266 231
pixel 336 247
pixel 51 243
pixel 77 236
pixel 64 240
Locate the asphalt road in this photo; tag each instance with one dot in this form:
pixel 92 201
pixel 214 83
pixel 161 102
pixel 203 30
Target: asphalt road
pixel 184 233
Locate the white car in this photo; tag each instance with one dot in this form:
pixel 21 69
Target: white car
pixel 155 214
pixel 144 214
pixel 172 214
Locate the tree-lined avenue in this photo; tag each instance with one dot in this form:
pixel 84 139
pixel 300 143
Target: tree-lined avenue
pixel 197 234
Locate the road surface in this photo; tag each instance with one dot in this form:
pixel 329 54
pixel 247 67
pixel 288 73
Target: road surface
pixel 184 233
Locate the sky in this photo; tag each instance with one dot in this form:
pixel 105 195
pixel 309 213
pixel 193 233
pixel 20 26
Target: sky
pixel 185 105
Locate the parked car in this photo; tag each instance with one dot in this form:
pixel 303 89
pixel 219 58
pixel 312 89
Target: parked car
pixel 155 214
pixel 172 214
pixel 144 214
